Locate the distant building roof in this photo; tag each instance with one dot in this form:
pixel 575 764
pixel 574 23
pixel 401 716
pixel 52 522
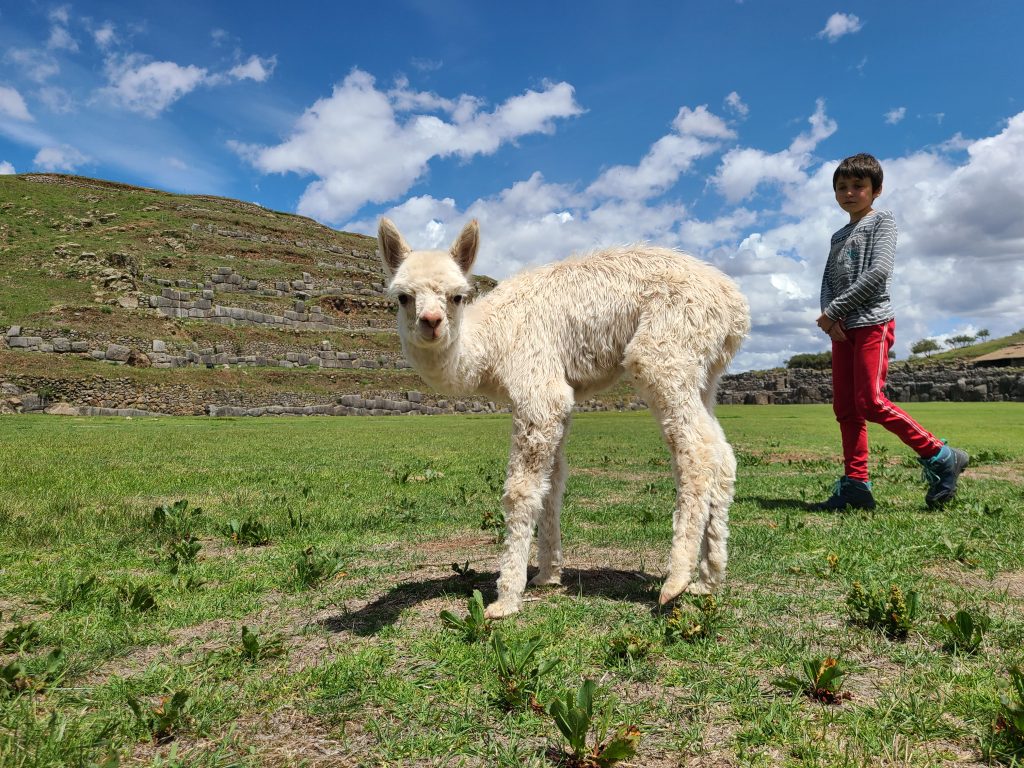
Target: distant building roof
pixel 1004 356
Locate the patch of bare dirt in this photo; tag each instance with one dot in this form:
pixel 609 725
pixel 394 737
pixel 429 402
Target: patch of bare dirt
pixel 1013 473
pixel 285 738
pixel 1012 582
pixel 618 474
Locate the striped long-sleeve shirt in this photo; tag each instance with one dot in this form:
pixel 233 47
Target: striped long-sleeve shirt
pixel 855 286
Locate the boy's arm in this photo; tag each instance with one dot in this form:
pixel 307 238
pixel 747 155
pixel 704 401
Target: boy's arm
pixel 871 281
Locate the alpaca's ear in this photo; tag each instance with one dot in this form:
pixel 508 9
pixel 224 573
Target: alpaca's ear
pixel 393 248
pixel 465 246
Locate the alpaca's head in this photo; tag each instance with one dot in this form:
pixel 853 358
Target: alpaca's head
pixel 431 287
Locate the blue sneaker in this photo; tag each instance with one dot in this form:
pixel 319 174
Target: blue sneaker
pixel 848 492
pixel 941 472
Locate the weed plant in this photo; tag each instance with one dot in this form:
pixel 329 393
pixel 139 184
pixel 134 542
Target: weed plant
pixel 822 680
pixel 891 611
pixel 474 626
pixel 166 719
pixel 313 567
pixel 575 716
pixel 965 631
pixel 519 671
pixel 697 620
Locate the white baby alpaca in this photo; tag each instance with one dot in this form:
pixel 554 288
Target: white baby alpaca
pixel 551 335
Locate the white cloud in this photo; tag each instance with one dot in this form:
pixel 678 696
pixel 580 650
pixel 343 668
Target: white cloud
pixel 700 122
pixel 368 145
pixel 105 35
pixel 668 158
pixel 840 24
pixel 957 207
pixel 894 116
pixel 62 158
pixel 61 40
pixel 744 169
pixel 255 68
pixel 37 65
pixel 149 87
pixel 60 15
pixel 13 105
pixel 6 169
pixel 736 105
pixel 426 65
pixel 56 99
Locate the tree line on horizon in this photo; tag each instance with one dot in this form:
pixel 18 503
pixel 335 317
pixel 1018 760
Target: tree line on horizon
pixel 823 360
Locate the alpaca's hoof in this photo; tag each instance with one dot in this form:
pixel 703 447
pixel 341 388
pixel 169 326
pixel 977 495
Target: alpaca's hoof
pixel 549 579
pixel 699 588
pixel 670 591
pixel 499 609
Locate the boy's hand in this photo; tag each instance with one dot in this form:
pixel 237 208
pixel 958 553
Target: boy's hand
pixel 834 328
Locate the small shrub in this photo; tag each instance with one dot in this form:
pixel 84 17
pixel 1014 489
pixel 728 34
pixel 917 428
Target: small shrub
pixel 701 620
pixel 474 626
pixel 176 520
pixel 821 681
pixel 575 717
pixel 15 680
pixel 138 598
pixel 313 567
pixel 256 649
pixel 891 612
pixel 76 594
pixel 964 631
pixel 493 522
pixel 250 533
pixel 164 721
pixel 519 671
pixel 628 647
pixel 183 552
pixel 21 637
pixel 1009 725
pixel 962 550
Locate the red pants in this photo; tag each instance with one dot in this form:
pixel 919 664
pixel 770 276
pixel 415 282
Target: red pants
pixel 859 366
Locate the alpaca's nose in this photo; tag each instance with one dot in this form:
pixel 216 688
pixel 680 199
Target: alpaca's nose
pixel 431 319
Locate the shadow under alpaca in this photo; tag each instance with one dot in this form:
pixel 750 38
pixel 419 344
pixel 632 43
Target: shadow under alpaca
pixel 610 583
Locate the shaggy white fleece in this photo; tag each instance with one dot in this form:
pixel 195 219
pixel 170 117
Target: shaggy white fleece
pixel 554 334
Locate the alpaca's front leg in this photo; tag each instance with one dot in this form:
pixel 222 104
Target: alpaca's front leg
pixel 529 470
pixel 549 524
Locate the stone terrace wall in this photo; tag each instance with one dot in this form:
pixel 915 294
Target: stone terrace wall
pixel 905 383
pixel 161 354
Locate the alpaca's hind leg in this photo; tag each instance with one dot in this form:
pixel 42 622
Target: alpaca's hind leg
pixel 695 459
pixel 549 524
pixel 714 550
pixel 534 444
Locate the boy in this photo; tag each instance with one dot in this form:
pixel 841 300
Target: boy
pixel 857 314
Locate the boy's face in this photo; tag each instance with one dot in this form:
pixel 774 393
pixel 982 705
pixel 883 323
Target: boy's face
pixel 856 195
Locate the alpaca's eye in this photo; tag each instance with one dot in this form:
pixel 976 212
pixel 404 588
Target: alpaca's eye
pixel 457 298
pixel 403 299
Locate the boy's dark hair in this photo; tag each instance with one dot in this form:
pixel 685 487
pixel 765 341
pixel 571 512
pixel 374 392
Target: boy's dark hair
pixel 862 166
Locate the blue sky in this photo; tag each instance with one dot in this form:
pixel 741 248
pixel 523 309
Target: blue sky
pixel 564 126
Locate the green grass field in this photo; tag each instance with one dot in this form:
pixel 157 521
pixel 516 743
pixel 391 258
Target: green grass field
pixel 334 540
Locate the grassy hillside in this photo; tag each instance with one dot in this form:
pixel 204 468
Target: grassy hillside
pixel 80 258
pixel 971 351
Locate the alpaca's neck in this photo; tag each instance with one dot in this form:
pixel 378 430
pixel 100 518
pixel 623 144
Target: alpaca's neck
pixel 455 370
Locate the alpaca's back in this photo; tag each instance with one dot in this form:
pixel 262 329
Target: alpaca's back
pixel 576 318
